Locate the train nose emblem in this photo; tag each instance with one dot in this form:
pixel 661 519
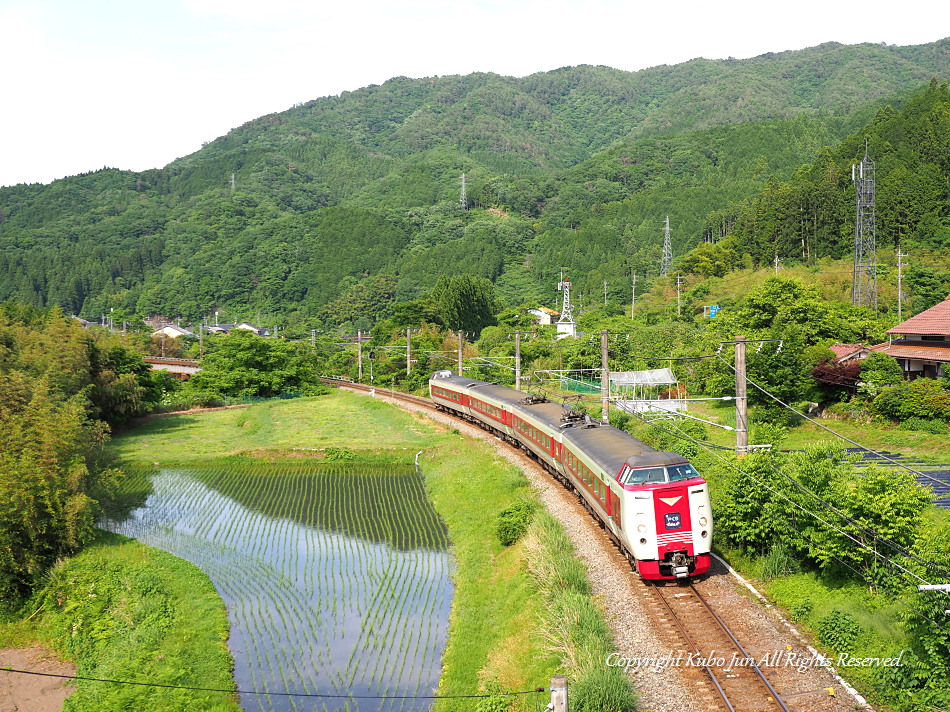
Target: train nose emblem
pixel 670 501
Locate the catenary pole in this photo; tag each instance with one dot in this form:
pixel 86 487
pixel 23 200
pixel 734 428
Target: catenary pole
pixel 604 379
pixel 742 414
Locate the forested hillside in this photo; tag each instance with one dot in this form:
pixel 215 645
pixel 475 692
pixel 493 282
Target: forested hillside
pixel 357 196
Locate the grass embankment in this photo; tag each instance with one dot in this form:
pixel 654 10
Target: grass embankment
pixel 498 605
pixel 124 611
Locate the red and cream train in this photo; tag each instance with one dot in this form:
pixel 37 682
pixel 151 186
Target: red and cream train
pixel 653 504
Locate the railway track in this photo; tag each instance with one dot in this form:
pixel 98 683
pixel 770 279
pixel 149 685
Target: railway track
pixel 708 646
pixel 736 681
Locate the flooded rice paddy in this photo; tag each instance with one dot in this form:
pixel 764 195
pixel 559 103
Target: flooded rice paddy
pixel 336 577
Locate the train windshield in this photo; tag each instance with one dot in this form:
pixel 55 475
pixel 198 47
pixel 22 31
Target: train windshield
pixel 644 476
pixel 682 472
pixel 652 475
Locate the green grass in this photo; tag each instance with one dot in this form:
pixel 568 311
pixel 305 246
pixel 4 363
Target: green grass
pixel 125 611
pixel 494 627
pixel 334 420
pixel 877 436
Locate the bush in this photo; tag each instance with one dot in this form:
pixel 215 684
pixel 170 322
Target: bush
pixel 802 609
pixel 839 631
pixel 339 454
pixel 925 425
pixel 850 410
pixel 921 398
pixel 513 522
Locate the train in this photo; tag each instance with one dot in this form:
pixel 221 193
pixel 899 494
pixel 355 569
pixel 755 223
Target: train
pixel 654 505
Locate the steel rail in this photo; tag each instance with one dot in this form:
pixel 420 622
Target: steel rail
pixel 428 403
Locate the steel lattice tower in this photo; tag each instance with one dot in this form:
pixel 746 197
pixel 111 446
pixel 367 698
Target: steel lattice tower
pixel 864 286
pixel 567 311
pixel 667 259
pixel 463 199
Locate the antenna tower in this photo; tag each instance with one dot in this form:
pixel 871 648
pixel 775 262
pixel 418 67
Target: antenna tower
pixel 667 260
pixel 864 286
pixel 567 312
pixel 463 199
pixel 566 325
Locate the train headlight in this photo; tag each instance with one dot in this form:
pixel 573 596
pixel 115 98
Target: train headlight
pixel 703 521
pixel 641 528
pixel 704 534
pixel 643 540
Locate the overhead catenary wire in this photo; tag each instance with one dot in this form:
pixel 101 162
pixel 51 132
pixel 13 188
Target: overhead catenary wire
pixel 82 678
pixel 795 504
pixel 836 434
pixel 711 447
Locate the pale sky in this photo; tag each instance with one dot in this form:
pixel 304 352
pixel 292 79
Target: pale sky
pixel 134 85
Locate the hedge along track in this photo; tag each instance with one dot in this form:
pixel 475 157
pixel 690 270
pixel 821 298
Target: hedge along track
pixel 710 649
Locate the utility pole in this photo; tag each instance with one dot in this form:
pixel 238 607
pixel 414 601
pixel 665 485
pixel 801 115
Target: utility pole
pixel 517 360
pixel 900 284
pixel 232 182
pixel 679 284
pixel 460 334
pixel 604 379
pixel 313 337
pixel 776 261
pixel 463 198
pixel 408 350
pixel 742 406
pixel 558 694
pixel 359 354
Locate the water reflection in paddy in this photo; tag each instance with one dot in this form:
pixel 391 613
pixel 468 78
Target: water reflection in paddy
pixel 337 579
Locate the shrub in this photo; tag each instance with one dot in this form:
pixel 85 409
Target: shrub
pixel 513 522
pixel 849 410
pixel 768 434
pixel 839 631
pixel 921 398
pixel 339 454
pixel 925 425
pixel 802 609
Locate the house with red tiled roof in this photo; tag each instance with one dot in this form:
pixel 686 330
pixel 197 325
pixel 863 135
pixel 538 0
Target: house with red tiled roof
pixel 922 343
pixel 849 352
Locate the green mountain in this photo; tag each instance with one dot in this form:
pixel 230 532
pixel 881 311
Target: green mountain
pixel 344 196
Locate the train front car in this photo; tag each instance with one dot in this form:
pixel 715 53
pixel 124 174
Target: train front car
pixel 666 503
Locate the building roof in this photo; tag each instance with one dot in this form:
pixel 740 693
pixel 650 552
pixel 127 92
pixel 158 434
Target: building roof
pixel 169 329
pixel 544 310
pixel 920 350
pixel 842 351
pixel 935 320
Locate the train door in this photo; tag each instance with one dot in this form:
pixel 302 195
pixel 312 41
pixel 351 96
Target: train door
pixel 614 505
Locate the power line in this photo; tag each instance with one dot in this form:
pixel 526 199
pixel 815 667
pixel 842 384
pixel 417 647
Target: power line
pixel 711 447
pixel 837 434
pixel 81 678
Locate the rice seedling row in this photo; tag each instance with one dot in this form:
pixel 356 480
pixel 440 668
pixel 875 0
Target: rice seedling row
pixel 336 577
